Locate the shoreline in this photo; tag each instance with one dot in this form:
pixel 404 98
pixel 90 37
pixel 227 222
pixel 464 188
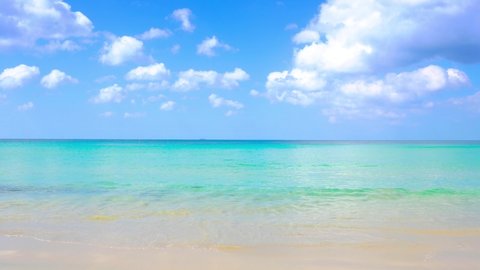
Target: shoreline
pixel 22 253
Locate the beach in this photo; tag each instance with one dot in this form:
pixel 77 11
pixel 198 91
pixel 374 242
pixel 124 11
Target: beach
pixel 239 204
pixel 457 253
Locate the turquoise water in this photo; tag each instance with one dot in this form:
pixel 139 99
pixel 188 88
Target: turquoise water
pixel 204 193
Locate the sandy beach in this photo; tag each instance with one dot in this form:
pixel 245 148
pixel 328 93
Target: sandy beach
pixel 21 253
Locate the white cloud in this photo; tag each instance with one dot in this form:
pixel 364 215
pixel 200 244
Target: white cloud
pixel 16 76
pixel 368 36
pixel 24 22
pixel 232 79
pixel 304 80
pixel 374 35
pixel 167 106
pixel 208 46
pixel 299 87
pixel 154 33
pixel 306 36
pixel 345 51
pixel 152 72
pixel 457 77
pixel 55 78
pixel 406 85
pixel 183 16
pixel 120 50
pixel 113 93
pixel 25 107
pixel 194 79
pixel 217 101
pixel 333 57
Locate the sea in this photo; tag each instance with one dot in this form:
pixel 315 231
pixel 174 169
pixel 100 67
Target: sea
pixel 205 194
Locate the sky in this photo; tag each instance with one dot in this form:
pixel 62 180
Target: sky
pixel 289 69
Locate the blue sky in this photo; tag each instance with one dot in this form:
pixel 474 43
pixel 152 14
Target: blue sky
pixel 337 69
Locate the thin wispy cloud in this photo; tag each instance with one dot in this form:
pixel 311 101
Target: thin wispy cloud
pixel 184 16
pixel 209 46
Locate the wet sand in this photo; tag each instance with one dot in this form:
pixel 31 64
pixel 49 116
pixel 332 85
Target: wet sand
pixel 27 253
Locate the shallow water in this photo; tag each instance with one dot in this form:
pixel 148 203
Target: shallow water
pixel 238 193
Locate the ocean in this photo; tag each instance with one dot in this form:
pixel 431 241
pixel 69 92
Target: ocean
pixel 206 194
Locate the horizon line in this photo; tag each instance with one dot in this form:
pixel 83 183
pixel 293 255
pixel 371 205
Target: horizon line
pixel 245 140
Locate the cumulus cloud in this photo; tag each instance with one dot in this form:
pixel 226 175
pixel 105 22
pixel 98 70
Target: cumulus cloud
pixel 194 79
pixel 346 55
pixel 113 93
pixel 207 46
pixel 300 87
pixel 232 79
pixel 25 22
pixel 184 15
pixel 398 87
pixel 306 36
pixel 55 78
pixel 217 101
pixel 120 50
pixel 373 35
pixel 167 106
pixel 152 72
pixel 16 76
pixel 25 107
pixel 154 33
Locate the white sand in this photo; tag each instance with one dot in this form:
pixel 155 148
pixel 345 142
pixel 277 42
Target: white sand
pixel 26 253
